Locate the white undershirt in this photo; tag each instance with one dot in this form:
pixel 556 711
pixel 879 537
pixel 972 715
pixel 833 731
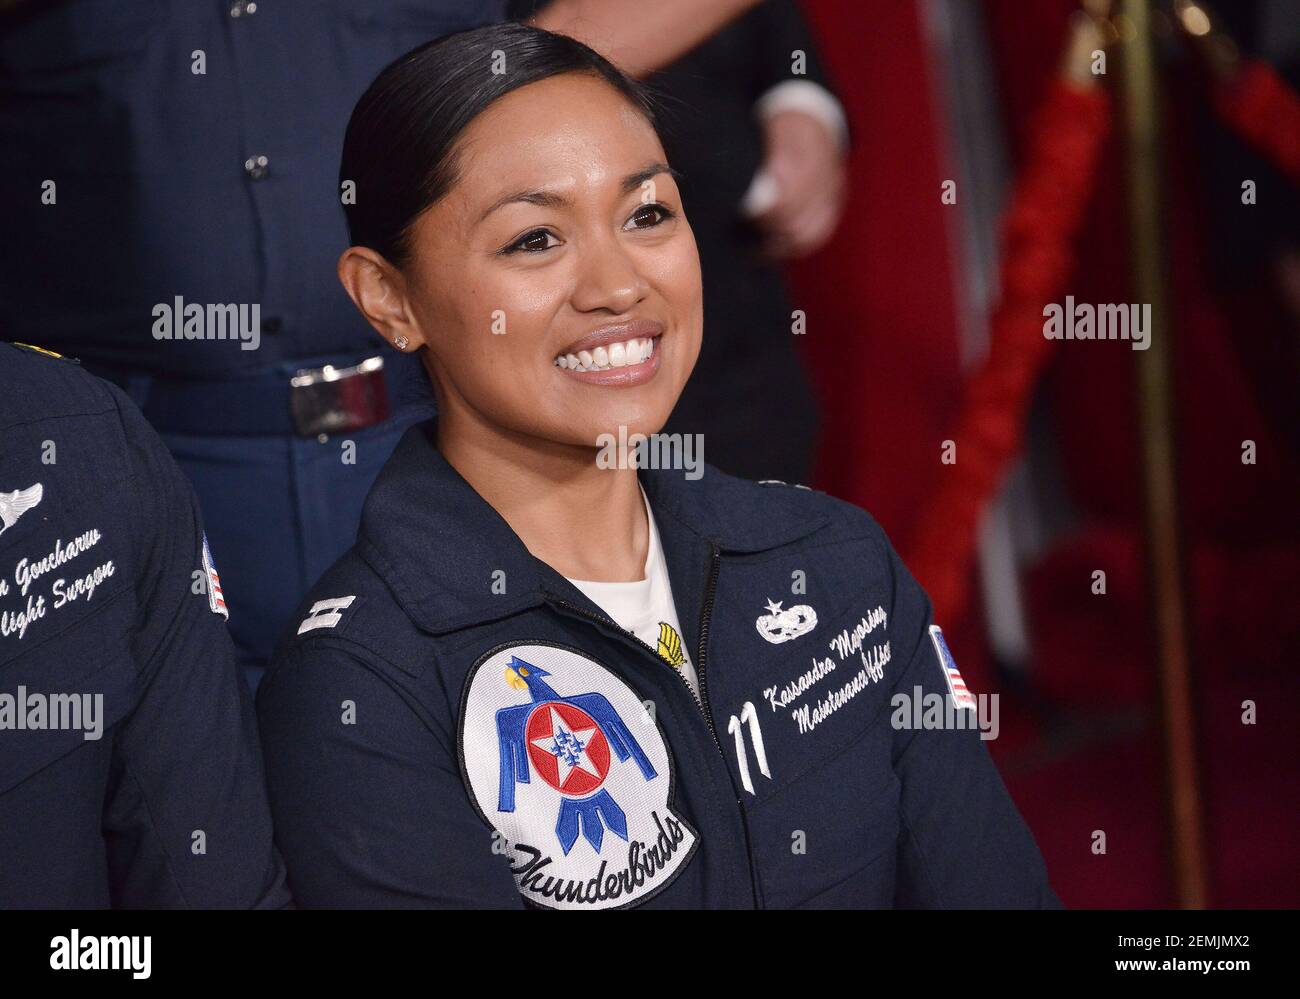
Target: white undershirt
pixel 645 605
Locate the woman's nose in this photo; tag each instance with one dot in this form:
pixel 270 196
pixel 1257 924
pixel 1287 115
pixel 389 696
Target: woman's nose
pixel 608 279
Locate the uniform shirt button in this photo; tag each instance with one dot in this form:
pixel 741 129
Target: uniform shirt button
pixel 241 8
pixel 257 167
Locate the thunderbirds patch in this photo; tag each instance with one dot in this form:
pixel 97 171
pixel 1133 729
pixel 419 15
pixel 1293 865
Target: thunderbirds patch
pixel 562 759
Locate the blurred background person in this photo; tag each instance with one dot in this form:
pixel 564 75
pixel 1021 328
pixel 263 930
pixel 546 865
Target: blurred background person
pixel 173 221
pixel 760 141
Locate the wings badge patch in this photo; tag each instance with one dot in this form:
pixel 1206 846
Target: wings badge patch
pixel 16 503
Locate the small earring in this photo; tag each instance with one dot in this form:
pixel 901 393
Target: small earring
pixel 400 342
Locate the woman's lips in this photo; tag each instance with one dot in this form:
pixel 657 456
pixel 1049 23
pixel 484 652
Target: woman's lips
pixel 605 336
pixel 598 367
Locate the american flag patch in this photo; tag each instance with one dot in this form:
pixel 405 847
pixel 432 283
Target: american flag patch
pixel 216 601
pixel 961 697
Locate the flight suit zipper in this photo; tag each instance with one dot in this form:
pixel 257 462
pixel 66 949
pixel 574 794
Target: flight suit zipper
pixel 610 622
pixel 706 616
pixel 702 698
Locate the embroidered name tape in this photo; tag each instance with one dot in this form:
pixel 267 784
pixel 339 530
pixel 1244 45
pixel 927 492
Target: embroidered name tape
pixel 563 760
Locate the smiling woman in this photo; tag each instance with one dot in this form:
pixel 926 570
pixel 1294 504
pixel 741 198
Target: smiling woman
pixel 493 700
pixel 516 222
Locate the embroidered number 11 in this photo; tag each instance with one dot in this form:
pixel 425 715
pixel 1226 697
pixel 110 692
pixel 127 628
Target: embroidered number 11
pixel 749 714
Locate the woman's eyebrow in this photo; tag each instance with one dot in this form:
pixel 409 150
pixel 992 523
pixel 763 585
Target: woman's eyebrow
pixel 549 199
pixel 632 181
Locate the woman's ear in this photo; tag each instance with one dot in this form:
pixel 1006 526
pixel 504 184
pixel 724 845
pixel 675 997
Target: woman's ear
pixel 378 290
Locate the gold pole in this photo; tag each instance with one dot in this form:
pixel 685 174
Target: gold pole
pixel 1155 402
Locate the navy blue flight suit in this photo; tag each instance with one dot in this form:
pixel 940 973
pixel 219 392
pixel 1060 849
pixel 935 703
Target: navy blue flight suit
pixel 130 773
pixel 452 723
pixel 156 149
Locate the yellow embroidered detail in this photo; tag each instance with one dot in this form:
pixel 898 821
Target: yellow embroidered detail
pixel 670 646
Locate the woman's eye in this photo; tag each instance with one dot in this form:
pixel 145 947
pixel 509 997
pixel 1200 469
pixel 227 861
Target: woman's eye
pixel 532 242
pixel 649 215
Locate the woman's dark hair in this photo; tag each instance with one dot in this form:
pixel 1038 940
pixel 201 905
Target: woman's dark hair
pixel 398 150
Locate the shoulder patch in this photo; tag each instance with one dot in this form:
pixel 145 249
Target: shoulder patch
pixel 216 599
pixel 961 697
pixel 328 613
pixel 561 758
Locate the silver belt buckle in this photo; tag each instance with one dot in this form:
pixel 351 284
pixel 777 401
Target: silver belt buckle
pixel 331 400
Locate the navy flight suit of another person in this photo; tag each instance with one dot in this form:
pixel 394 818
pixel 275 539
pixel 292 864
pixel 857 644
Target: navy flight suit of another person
pixel 544 676
pixel 130 773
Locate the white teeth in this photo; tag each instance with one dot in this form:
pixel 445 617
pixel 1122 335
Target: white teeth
pixel 615 355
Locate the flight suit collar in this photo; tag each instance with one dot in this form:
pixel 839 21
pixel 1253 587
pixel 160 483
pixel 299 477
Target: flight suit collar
pixel 453 562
